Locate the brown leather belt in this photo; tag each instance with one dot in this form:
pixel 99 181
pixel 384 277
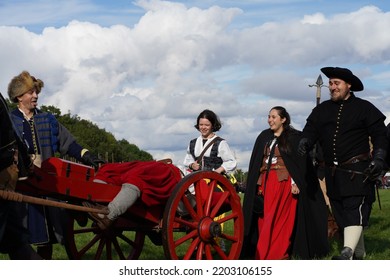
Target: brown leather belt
pixel 273 166
pixel 352 160
pixel 356 159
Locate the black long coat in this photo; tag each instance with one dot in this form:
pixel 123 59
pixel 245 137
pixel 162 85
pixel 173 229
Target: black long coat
pixel 310 233
pixel 344 130
pixel 12 234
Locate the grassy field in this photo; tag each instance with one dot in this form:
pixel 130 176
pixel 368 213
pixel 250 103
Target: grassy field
pixel 377 237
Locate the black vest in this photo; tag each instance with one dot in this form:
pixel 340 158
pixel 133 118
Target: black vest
pixel 211 162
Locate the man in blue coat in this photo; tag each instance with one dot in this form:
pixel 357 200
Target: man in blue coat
pixel 45 137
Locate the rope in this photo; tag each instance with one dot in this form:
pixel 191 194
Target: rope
pixel 18 197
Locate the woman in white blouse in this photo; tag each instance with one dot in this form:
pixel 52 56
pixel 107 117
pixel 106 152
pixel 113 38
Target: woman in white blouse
pixel 218 156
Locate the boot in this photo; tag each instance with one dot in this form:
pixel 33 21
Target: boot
pixel 24 252
pixel 155 237
pixel 80 217
pixel 346 254
pixel 45 251
pixel 359 257
pixel 360 251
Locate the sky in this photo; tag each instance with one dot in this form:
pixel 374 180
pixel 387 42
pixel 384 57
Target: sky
pixel 144 70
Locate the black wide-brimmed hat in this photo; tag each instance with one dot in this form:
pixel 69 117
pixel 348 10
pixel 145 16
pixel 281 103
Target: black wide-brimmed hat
pixel 345 75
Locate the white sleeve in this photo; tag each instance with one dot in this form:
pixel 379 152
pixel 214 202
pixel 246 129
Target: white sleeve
pixel 188 159
pixel 229 160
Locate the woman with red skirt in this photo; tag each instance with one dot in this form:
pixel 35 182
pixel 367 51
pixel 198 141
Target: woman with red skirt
pixel 293 217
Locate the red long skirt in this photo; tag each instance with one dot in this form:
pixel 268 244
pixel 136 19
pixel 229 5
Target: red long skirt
pixel 156 180
pixel 277 224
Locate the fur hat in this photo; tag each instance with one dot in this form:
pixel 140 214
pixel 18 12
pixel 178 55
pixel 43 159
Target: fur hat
pixel 21 84
pixel 345 75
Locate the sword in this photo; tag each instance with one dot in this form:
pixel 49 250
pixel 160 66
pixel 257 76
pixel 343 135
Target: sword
pixel 378 183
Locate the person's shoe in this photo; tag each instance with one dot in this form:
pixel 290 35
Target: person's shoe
pixel 80 217
pixel 103 222
pixel 155 237
pixel 359 256
pixel 81 220
pixel 45 251
pixel 346 254
pixel 23 252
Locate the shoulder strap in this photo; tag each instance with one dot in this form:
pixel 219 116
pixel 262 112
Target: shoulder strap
pixel 215 148
pixel 271 155
pixel 205 148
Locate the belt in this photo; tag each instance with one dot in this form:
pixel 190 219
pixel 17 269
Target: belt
pixel 356 159
pixel 352 160
pixel 273 166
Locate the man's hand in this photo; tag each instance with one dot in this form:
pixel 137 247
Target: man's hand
pixel 91 160
pixel 377 165
pixel 375 169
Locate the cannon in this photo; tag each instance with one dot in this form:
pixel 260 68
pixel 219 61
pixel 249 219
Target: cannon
pixel 189 226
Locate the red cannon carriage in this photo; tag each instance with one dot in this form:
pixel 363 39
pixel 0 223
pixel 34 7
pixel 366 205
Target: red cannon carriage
pixel 188 226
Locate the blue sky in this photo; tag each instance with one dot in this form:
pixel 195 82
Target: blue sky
pixel 144 70
pixel 44 13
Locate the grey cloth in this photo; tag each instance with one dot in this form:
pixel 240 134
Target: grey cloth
pixel 126 197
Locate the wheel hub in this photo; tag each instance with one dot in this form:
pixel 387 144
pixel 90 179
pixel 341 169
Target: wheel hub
pixel 208 229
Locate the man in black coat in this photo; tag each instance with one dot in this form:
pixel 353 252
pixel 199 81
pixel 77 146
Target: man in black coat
pixel 13 237
pixel 346 127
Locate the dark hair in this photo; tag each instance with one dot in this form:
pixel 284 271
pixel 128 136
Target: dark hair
pixel 287 128
pixel 212 117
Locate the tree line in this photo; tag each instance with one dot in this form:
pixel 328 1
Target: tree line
pixel 97 140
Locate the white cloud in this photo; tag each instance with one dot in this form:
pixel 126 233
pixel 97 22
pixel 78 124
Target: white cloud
pixel 147 83
pixel 317 18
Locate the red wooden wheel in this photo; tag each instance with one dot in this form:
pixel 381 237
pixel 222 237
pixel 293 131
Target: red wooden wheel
pixel 203 219
pixel 119 242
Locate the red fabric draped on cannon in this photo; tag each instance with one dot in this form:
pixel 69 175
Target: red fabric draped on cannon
pixel 156 180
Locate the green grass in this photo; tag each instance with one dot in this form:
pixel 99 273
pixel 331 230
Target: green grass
pixel 377 234
pixel 377 237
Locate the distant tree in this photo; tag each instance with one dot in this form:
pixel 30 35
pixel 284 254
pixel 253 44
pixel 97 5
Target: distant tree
pixel 240 175
pixel 101 142
pixel 95 139
pixel 11 105
pixel 130 152
pixel 51 109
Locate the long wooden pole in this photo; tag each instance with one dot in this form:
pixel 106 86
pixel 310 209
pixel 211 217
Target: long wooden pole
pixel 18 197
